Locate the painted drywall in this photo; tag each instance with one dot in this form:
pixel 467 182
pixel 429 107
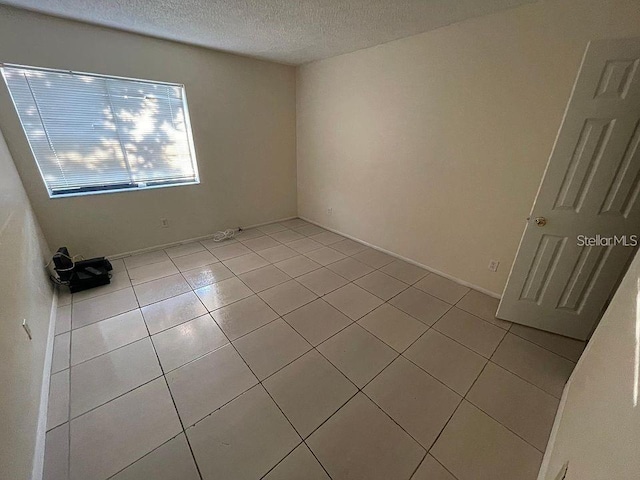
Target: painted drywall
pixel 597 429
pixel 25 293
pixel 243 120
pixel 433 146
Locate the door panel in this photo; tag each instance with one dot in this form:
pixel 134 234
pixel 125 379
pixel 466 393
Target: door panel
pixel 590 188
pixel 578 181
pixel 623 192
pixel 542 267
pixel 585 272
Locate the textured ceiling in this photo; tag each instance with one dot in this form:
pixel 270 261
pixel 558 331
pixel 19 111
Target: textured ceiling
pixel 286 31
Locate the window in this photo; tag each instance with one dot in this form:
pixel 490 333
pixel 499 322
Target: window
pixel 96 134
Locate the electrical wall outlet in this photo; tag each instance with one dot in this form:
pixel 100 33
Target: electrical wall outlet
pixel 329 211
pixel 493 265
pixel 164 223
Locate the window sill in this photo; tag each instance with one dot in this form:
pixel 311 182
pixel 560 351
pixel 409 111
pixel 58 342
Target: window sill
pixel 120 190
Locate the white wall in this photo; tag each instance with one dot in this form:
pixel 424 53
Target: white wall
pixel 243 118
pixel 25 293
pixel 433 146
pixel 598 430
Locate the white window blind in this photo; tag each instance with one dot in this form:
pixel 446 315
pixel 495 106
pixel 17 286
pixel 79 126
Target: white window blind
pixel 92 133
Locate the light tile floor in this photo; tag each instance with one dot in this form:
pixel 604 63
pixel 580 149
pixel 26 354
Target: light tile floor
pixel 291 352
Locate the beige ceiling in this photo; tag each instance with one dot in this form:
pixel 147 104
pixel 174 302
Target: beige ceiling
pixel 286 31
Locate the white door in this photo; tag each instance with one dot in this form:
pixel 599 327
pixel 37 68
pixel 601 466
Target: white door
pixel 559 282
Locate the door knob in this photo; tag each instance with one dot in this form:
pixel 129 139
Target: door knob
pixel 540 221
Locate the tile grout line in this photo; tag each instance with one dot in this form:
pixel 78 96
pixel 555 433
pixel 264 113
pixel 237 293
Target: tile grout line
pixel 204 354
pixel 545 348
pixel 260 382
pixel 431 376
pixel 401 354
pixel 110 351
pixel 374 269
pixel 175 407
pixel 145 455
pixel 384 301
pixel 303 439
pixel 443 467
pixel 486 413
pixel 426 454
pixel 524 379
pixel 184 431
pixel 358 389
pixel 361 390
pixel 321 266
pixel 508 330
pixel 463 397
pixel 92 409
pixel 159 363
pixel 487 361
pixel 279 316
pixel 236 275
pixel 69 400
pixel 295 278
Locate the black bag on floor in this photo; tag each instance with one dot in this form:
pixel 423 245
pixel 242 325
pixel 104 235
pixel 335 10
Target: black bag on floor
pixel 83 274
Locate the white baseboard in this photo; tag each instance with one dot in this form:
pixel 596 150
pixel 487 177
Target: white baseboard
pixel 375 247
pixel 188 240
pixel 543 473
pixel 409 260
pixel 546 459
pixel 38 455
